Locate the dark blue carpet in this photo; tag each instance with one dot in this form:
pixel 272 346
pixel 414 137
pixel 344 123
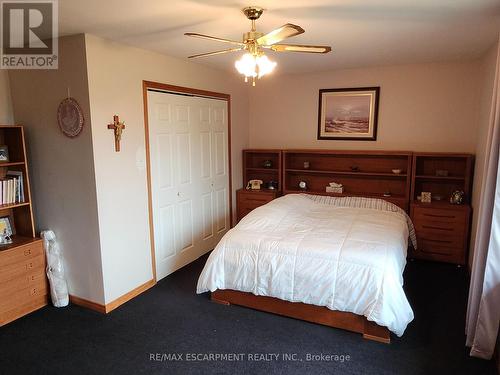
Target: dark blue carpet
pixel 157 332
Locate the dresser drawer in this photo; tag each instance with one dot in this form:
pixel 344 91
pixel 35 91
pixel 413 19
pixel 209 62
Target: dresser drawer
pixel 23 296
pixel 32 304
pixel 21 268
pixel 20 254
pixel 26 280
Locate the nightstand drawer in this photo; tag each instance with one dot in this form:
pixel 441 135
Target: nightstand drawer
pixel 429 243
pixel 248 200
pixel 442 231
pixel 256 196
pixel 440 228
pixel 251 199
pixel 436 215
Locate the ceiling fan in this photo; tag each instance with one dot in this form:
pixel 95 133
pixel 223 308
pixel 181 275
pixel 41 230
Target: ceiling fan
pixel 254 64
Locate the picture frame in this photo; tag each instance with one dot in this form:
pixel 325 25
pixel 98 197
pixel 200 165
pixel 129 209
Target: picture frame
pixel 6 225
pixel 348 114
pixel 4 154
pixel 70 117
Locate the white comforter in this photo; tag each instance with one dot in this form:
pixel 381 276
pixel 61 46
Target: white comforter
pixel 300 250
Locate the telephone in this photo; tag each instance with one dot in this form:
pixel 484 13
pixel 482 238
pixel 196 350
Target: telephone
pixel 254 184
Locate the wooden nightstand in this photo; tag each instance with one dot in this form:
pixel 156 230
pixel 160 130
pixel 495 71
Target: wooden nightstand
pixel 248 200
pixel 442 231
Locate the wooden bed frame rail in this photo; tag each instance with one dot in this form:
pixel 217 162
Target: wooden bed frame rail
pixel 311 313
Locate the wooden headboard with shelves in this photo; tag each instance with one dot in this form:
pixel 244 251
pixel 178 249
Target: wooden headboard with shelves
pixel 362 173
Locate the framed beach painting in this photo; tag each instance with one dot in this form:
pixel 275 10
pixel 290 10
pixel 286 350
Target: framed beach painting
pixel 349 114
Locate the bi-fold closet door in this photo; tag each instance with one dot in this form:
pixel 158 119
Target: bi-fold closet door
pixel 188 141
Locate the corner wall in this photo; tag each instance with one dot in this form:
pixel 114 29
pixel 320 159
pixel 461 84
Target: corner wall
pixel 62 168
pixel 6 115
pixel 115 74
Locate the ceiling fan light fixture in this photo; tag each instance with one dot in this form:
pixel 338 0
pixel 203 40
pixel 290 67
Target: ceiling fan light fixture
pixel 246 65
pixel 252 66
pixel 264 65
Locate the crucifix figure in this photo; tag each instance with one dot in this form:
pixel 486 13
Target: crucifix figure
pixel 118 127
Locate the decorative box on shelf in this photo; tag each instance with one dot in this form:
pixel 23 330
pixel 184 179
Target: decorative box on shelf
pixel 336 190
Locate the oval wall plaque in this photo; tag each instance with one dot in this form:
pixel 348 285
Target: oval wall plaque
pixel 70 117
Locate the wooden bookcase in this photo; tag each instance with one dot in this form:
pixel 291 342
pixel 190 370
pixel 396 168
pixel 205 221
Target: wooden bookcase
pixel 23 285
pixel 362 173
pixel 442 228
pixel 253 166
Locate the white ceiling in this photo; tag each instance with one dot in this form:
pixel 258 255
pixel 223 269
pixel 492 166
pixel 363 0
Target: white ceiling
pixel 361 32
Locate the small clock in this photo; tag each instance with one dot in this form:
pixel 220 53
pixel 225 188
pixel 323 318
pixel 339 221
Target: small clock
pixel 302 185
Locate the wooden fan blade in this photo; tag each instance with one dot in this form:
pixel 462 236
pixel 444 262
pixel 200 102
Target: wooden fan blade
pixel 283 32
pixel 215 53
pixel 203 36
pixel 299 48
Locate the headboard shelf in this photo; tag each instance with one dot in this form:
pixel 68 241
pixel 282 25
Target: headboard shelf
pixel 362 173
pixel 349 173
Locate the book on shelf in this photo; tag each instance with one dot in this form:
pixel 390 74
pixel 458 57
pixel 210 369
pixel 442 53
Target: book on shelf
pixel 12 188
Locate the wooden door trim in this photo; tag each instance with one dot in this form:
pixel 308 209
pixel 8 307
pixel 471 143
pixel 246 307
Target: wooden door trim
pixel 181 90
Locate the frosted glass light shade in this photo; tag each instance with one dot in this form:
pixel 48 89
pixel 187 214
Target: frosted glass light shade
pixel 254 66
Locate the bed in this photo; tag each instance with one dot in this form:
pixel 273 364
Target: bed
pixel 333 261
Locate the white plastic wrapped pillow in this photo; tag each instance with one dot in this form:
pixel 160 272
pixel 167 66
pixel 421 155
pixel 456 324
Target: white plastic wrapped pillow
pixel 55 270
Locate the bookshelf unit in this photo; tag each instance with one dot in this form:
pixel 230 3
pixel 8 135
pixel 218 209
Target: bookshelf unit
pixel 362 173
pixel 442 228
pixel 23 284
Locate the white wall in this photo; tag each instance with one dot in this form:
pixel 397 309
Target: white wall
pixel 428 107
pixel 62 168
pixel 6 115
pixel 115 74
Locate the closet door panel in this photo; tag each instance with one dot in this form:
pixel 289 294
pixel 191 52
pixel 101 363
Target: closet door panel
pixel 189 177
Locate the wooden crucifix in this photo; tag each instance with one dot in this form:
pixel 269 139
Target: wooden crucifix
pixel 118 127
